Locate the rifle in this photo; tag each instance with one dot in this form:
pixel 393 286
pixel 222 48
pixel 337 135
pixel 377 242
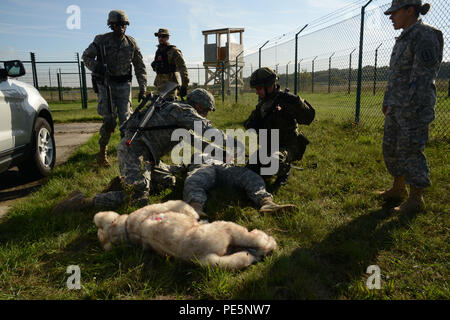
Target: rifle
pixel 106 79
pixel 157 103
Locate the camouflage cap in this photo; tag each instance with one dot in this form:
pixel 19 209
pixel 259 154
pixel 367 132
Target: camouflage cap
pixel 202 97
pixel 162 32
pixel 116 16
pixel 398 4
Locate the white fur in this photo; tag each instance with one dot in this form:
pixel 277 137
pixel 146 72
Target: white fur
pixel 172 228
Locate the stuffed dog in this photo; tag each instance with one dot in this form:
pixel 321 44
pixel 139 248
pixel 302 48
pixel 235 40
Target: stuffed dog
pixel 173 228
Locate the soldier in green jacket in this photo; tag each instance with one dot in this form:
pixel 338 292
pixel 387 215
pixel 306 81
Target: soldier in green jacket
pixel 120 51
pixel 283 111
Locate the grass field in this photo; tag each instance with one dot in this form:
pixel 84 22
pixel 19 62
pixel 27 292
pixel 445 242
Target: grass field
pixel 325 246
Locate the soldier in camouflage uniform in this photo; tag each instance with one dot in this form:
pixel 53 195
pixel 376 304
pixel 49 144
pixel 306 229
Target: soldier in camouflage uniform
pixel 409 102
pixel 151 145
pixel 203 177
pixel 168 61
pixel 282 111
pixel 122 51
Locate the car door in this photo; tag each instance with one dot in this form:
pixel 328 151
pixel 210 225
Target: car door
pixel 13 134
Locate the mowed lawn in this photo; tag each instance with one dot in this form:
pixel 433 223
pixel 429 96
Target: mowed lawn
pixel 324 247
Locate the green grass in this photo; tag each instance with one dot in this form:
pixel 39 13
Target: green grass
pixel 325 246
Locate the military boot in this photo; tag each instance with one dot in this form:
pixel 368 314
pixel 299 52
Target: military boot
pixel 398 191
pixel 198 208
pixel 268 206
pixel 392 194
pixel 413 204
pixel 102 159
pixel 75 201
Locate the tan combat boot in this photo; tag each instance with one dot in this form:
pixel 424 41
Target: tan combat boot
pixel 398 191
pixel 414 204
pixel 198 208
pixel 268 206
pixel 102 158
pixel 75 201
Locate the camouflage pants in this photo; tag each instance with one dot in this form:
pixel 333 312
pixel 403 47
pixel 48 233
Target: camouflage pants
pixel 161 79
pixel 140 176
pixel 121 106
pixel 201 179
pixel 403 145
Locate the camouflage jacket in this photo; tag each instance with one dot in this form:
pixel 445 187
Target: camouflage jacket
pixel 283 111
pixel 176 60
pixel 414 65
pixel 171 116
pixel 120 54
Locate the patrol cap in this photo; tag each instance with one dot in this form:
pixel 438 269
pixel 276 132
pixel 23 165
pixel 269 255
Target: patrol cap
pixel 162 32
pixel 117 16
pixel 263 77
pixel 398 4
pixel 202 97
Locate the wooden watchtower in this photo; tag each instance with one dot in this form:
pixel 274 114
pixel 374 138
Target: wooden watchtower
pixel 223 52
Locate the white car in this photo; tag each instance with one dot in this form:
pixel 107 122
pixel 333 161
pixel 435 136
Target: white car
pixel 26 125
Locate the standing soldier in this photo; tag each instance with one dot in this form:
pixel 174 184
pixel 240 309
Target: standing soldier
pixel 168 60
pixel 112 77
pixel 409 103
pixel 282 111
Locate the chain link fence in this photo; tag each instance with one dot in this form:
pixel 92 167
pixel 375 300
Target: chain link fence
pixel 328 58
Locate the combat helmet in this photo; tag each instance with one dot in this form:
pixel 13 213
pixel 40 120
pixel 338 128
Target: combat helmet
pixel 202 97
pixel 117 16
pixel 263 77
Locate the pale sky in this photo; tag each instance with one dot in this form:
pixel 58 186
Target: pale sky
pixel 40 26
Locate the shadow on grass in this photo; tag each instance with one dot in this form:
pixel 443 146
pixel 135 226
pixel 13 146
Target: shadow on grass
pixel 327 268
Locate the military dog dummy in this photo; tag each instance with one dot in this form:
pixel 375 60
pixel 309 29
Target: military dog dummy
pixel 173 228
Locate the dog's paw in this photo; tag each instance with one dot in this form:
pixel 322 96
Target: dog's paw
pixel 267 244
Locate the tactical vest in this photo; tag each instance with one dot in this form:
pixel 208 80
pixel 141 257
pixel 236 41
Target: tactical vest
pixel 161 63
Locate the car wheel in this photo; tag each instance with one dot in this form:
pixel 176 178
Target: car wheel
pixel 43 153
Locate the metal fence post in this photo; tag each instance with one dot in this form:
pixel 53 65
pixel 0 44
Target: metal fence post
pixel 84 102
pixel 375 70
pixel 361 43
pixel 58 77
pixel 329 72
pixel 312 75
pixel 350 72
pixel 79 77
pixel 296 60
pixel 33 69
pixel 260 52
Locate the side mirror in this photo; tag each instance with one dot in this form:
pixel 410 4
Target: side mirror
pixel 14 68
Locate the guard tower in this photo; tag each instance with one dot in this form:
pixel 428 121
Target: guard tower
pixel 220 53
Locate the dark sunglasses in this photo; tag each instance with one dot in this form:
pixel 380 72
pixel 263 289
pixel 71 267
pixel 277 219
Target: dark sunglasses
pixel 120 24
pixel 163 36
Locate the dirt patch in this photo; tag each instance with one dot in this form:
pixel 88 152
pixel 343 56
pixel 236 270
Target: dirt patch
pixel 68 136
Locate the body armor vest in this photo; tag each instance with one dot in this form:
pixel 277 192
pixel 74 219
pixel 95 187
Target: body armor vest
pixel 161 64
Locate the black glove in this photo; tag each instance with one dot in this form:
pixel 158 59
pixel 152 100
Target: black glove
pixel 183 91
pixel 141 96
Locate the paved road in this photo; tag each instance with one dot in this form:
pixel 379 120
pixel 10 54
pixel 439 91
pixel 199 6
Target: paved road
pixel 68 136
